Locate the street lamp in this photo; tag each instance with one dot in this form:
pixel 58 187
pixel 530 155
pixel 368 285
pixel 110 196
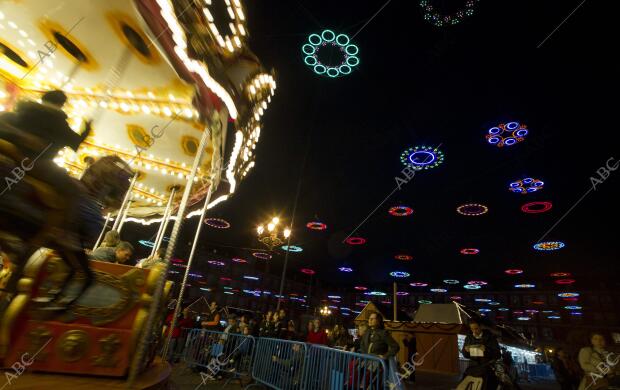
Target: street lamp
pixel 325 311
pixel 271 236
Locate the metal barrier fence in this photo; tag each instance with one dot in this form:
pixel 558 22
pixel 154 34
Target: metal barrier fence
pixel 280 364
pixel 219 353
pixel 332 369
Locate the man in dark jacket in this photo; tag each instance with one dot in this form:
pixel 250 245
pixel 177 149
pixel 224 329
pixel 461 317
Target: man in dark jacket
pixel 119 254
pixel 377 340
pixel 482 348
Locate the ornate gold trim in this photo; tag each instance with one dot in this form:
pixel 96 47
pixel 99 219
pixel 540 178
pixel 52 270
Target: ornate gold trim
pixel 116 19
pixel 48 27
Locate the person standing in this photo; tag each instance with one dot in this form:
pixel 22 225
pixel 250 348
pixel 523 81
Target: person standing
pixel 600 367
pixel 482 348
pixel 265 324
pixel 378 341
pixel 316 335
pixel 212 319
pixel 563 370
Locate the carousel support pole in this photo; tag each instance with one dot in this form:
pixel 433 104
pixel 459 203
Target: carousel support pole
pixel 177 309
pixel 395 302
pixel 105 225
pixel 147 331
pixel 120 225
pixel 164 223
pixel 119 215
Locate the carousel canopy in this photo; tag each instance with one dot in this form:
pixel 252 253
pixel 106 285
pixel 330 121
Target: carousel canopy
pixel 152 78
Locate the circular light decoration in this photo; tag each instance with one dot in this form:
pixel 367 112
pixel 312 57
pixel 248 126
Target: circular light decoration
pixel 503 309
pixel 560 274
pixel 307 271
pixel 439 20
pixel 513 271
pixel 576 313
pixel 472 287
pixel 217 223
pixel 568 295
pixel 554 317
pixel 456 298
pixel 225 279
pixel 549 246
pixel 422 157
pixel 492 303
pixel 147 243
pixel 291 248
pixel 328 39
pixel 572 307
pixel 526 186
pixel 451 281
pixel 262 255
pixel 216 263
pixel 536 207
pixel 361 288
pixel 402 257
pixel 418 284
pixel 570 299
pixel 345 269
pixel 507 134
pixel 231 39
pixel 424 302
pixel 251 277
pixel 477 282
pixel 484 310
pixel 376 293
pixel 565 281
pixel 402 293
pixel 531 311
pixel 472 209
pixel 355 241
pixel 239 260
pixel 438 290
pixel 400 211
pixel 523 318
pixel 315 225
pixel 399 274
pixel 470 251
pixel 525 285
pixel 484 300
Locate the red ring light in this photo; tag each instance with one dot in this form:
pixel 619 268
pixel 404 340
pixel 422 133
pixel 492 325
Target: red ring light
pixel 361 288
pixel 559 274
pixel 316 226
pixel 355 241
pixel 403 257
pixel 536 207
pixel 307 271
pixel 514 271
pixel 418 284
pixel 224 279
pixel 470 251
pixel 400 211
pixel 565 281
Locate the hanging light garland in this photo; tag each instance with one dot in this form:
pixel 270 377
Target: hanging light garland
pixel 435 17
pixel 341 42
pixel 526 186
pixel 507 134
pixel 422 157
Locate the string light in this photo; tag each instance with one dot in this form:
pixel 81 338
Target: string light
pixel 341 43
pixel 217 223
pixel 422 157
pixel 472 209
pixel 435 17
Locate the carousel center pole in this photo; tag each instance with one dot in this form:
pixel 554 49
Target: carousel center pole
pixel 119 214
pixel 147 331
pixel 164 222
pixel 177 309
pixel 105 225
pixel 120 225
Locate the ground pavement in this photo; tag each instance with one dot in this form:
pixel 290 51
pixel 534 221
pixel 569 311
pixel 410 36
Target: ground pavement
pixel 185 379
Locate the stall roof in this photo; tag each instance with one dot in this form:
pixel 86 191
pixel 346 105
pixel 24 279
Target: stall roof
pixel 444 313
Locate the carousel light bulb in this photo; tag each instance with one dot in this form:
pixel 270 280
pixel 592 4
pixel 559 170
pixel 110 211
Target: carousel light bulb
pixel 11 24
pixel 241 29
pixel 287 233
pixel 270 227
pixel 180 175
pixel 260 229
pixel 167 111
pixel 146 109
pixel 150 95
pixel 275 220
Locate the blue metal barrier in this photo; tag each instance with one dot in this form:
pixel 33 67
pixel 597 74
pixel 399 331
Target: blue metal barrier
pixel 219 354
pixel 279 364
pixel 332 369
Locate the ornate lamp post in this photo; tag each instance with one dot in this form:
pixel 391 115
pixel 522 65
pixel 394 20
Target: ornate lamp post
pixel 270 237
pixel 325 311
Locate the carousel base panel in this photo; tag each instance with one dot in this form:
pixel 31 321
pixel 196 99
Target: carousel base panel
pixel 156 377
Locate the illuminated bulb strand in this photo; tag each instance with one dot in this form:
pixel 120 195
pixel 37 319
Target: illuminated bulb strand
pixel 130 106
pixel 236 26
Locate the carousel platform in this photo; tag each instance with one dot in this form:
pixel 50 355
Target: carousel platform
pixel 155 377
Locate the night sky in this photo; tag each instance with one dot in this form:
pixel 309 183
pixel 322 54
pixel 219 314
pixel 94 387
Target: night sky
pixel 340 141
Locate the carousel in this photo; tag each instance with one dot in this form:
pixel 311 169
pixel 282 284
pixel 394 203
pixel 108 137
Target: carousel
pixel 171 99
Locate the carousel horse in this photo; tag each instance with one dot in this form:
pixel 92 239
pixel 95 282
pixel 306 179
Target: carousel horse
pixel 36 210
